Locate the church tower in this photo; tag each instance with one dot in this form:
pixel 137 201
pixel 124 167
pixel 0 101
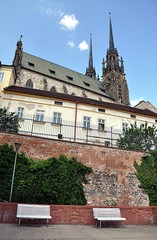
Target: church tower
pixel 113 73
pixel 90 71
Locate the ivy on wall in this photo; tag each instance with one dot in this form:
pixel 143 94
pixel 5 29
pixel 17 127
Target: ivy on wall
pixel 51 181
pixel 146 173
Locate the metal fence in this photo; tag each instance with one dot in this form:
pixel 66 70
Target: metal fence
pixel 69 131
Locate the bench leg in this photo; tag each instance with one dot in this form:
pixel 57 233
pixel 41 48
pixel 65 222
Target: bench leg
pixel 100 224
pixel 19 222
pixel 47 222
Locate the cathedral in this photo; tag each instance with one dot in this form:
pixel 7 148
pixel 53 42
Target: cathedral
pixel 56 102
pixel 112 86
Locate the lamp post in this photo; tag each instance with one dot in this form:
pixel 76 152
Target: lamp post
pixel 17 146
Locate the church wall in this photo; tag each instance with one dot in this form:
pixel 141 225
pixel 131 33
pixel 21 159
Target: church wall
pixel 38 82
pixel 113 180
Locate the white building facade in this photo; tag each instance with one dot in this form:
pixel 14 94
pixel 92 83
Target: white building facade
pixel 71 118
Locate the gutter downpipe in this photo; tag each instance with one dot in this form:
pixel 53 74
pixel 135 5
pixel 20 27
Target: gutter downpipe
pixel 75 122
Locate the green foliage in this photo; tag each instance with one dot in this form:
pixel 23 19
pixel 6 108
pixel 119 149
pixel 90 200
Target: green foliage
pixel 146 173
pixel 51 181
pixel 8 121
pixel 139 138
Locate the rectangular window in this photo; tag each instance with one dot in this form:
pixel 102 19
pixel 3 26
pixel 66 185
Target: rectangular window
pixel 124 127
pixel 132 116
pixel 39 116
pixel 101 124
pixel 101 110
pixel 58 103
pixel 20 112
pixel 1 76
pixel 57 118
pixel 86 122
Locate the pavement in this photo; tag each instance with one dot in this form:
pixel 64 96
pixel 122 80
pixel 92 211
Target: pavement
pixel 76 232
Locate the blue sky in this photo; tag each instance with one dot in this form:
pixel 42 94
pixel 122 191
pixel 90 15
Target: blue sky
pixel 59 31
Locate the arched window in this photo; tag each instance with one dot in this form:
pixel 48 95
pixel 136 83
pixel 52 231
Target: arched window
pixel 65 90
pixel 45 84
pixel 53 89
pixel 29 84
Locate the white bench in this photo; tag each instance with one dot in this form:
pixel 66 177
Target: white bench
pixel 34 211
pixel 107 214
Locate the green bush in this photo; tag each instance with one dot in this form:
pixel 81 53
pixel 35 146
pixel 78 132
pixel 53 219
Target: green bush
pixel 51 181
pixel 146 173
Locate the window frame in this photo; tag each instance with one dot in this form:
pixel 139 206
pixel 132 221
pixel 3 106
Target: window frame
pixel 86 122
pixel 101 125
pixel 57 118
pixel 20 112
pixel 39 117
pixel 125 127
pixel 1 76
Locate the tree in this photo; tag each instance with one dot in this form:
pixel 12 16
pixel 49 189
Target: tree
pixel 146 173
pixel 139 138
pixel 8 121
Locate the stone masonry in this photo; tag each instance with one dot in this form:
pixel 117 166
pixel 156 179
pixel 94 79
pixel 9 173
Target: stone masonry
pixel 113 181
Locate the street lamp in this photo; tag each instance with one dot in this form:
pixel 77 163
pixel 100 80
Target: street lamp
pixel 17 146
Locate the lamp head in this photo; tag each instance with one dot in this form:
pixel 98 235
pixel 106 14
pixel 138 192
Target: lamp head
pixel 17 146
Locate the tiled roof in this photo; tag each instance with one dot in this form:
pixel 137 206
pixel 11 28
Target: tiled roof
pixel 63 74
pixel 62 96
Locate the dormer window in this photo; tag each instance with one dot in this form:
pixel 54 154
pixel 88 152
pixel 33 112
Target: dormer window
pixel 103 90
pixel 31 64
pixel 87 84
pixel 70 78
pixel 52 71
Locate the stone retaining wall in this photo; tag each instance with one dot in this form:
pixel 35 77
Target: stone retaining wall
pixel 112 182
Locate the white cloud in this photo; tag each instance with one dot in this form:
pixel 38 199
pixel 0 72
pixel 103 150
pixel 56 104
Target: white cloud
pixel 47 11
pixel 69 22
pixel 71 44
pixel 60 13
pixel 135 102
pixel 83 46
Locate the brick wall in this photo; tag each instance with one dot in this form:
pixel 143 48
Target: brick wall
pixel 64 214
pixel 113 180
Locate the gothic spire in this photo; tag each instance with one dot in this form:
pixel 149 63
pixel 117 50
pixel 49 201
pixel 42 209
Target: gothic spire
pixel 90 71
pixel 111 41
pixel 90 53
pixel 113 72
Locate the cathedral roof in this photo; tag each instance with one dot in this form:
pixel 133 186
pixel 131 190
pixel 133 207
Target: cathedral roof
pixel 63 74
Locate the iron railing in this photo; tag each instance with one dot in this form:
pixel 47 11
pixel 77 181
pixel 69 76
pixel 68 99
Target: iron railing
pixel 68 131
